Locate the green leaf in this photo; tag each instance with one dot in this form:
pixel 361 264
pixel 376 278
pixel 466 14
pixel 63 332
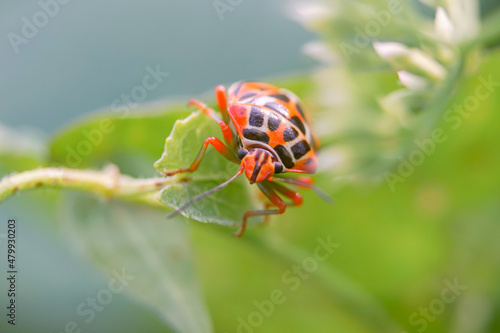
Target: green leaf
pixel 131 141
pixel 224 207
pixel 115 235
pixel 142 243
pixel 20 150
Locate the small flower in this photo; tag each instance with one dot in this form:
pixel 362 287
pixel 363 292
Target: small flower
pixel 320 51
pixel 390 50
pixel 310 13
pixel 411 81
pixel 443 26
pixel 410 59
pixel 464 15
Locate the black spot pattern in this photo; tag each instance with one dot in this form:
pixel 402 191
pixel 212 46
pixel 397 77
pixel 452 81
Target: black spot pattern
pixel 289 134
pixel 300 109
pixel 256 117
pixel 281 97
pixel 300 149
pixel 277 107
pixel 285 156
pixel 297 122
pixel 237 90
pixel 273 122
pixel 248 95
pixel 278 168
pixel 256 135
pixel 257 168
pixel 242 152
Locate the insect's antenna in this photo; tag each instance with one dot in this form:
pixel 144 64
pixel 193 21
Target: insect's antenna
pixel 306 184
pixel 205 194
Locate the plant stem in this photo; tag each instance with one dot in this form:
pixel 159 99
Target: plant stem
pixel 108 183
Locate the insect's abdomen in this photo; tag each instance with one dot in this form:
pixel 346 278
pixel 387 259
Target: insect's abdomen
pixel 285 103
pixel 267 115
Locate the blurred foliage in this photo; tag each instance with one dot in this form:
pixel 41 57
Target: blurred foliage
pixel 389 69
pixel 122 137
pixel 138 242
pixel 116 236
pixel 398 244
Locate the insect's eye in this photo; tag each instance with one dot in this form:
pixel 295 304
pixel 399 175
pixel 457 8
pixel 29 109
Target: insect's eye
pixel 278 168
pixel 242 153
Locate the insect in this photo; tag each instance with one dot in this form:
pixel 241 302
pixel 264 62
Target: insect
pixel 267 132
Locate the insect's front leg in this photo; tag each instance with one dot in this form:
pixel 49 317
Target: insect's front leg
pixel 275 200
pixel 221 97
pixel 293 195
pixel 305 182
pixel 221 148
pixel 226 131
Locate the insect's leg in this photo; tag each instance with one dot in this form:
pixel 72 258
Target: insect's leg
pixel 295 196
pixel 267 217
pixel 267 205
pixel 273 197
pixel 221 148
pixel 221 97
pixel 226 131
pixel 305 182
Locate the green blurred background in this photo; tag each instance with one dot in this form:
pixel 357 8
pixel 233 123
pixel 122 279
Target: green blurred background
pixel 397 246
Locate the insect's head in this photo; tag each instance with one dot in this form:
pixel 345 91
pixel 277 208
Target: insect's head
pixel 259 164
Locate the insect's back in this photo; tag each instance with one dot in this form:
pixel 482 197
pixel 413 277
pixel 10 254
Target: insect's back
pixel 266 115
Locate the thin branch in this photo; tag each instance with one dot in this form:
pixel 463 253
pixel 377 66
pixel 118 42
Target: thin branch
pixel 108 183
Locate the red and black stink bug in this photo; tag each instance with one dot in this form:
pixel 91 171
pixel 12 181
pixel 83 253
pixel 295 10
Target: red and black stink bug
pixel 267 132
